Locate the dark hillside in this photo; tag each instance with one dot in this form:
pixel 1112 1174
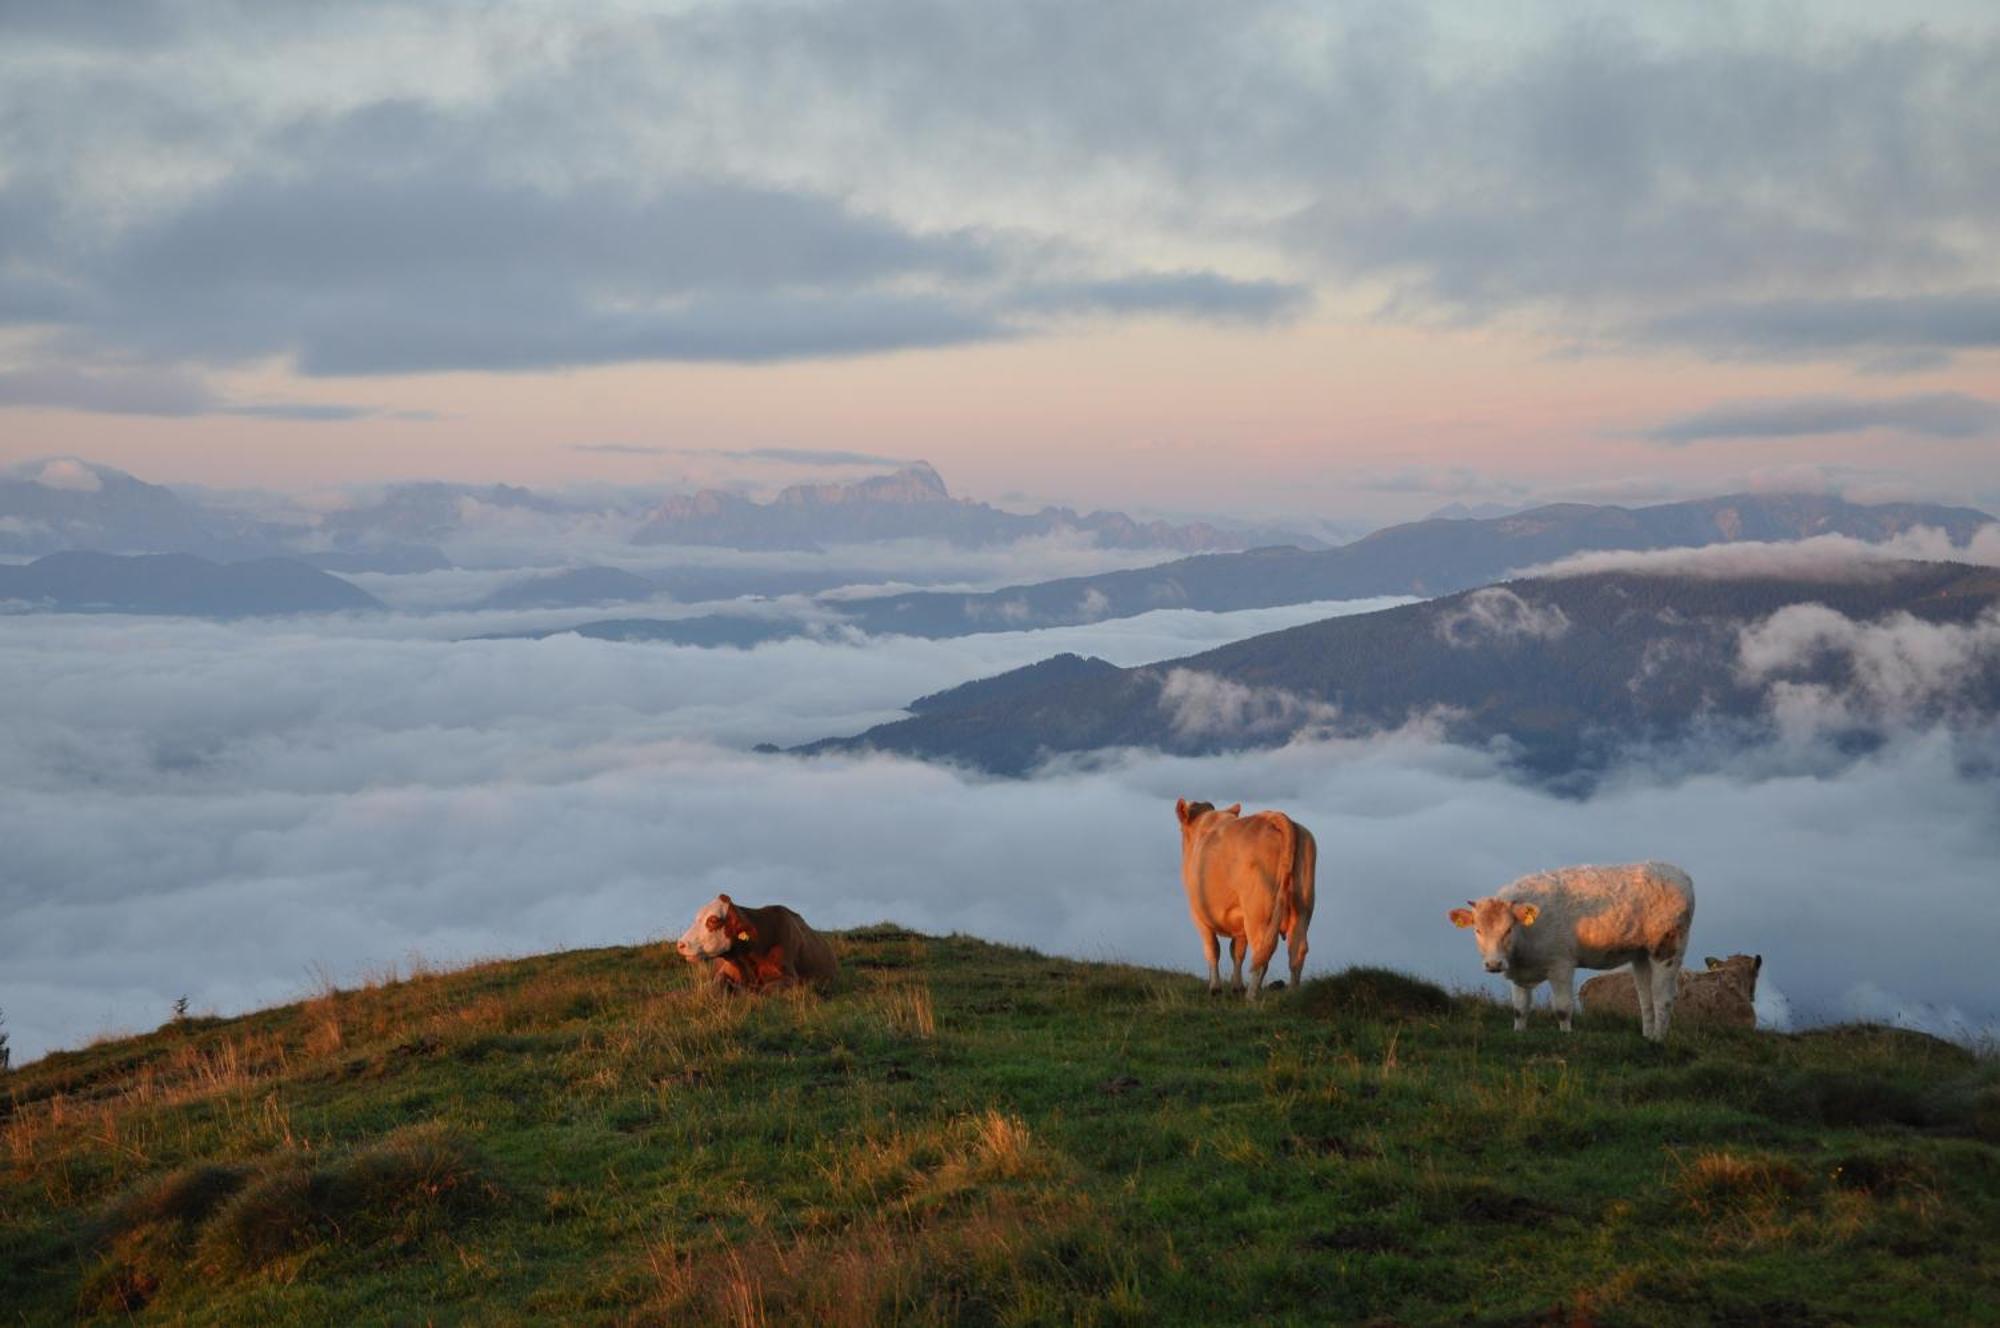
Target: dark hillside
pixel 1564 668
pixel 176 583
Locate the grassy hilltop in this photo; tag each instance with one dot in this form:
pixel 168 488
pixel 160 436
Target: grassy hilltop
pixel 975 1133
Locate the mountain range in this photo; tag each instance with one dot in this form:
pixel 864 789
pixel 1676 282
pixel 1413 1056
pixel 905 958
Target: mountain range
pixel 1426 558
pixel 911 503
pixel 175 583
pixel 62 504
pixel 1419 558
pixel 1562 670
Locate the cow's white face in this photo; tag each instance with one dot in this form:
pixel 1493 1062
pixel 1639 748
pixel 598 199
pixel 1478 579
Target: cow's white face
pixel 1496 926
pixel 710 934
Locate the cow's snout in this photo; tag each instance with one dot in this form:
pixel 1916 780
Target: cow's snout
pixel 1495 966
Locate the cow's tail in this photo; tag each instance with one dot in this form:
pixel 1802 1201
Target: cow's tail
pixel 1288 884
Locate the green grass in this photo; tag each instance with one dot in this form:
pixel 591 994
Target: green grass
pixel 972 1133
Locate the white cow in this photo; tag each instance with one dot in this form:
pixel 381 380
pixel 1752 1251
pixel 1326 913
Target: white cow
pixel 1544 927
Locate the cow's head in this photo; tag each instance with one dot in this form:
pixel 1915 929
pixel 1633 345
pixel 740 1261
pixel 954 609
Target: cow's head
pixel 1496 925
pixel 1739 970
pixel 1190 814
pixel 719 925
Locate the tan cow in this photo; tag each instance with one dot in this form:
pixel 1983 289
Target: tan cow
pixel 750 949
pixel 1724 994
pixel 1249 878
pixel 1542 928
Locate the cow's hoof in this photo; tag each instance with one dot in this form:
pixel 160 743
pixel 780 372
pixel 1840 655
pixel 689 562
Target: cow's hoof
pixel 1279 985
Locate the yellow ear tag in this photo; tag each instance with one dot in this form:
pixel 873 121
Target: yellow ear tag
pixel 742 935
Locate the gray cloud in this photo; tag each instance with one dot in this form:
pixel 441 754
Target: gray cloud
pixel 646 187
pixel 166 392
pixel 214 809
pixel 813 456
pixel 1894 333
pixel 1203 295
pixel 390 239
pixel 1928 414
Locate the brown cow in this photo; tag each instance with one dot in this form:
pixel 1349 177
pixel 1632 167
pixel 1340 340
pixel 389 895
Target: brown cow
pixel 751 949
pixel 1725 994
pixel 1249 878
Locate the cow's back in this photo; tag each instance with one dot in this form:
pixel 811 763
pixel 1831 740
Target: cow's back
pixel 1605 915
pixel 1232 870
pixel 812 954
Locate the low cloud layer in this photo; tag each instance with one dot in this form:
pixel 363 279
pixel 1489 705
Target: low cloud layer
pixel 1898 670
pixel 1497 613
pixel 1822 557
pixel 214 810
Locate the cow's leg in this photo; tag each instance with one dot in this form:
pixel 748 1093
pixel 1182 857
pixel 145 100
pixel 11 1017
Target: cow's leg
pixel 1261 953
pixel 1298 955
pixel 1666 985
pixel 1213 949
pixel 1642 987
pixel 1237 945
pixel 1562 994
pixel 1523 998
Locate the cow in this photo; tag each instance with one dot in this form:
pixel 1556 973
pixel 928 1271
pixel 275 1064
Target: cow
pixel 751 949
pixel 1724 994
pixel 1546 926
pixel 1249 878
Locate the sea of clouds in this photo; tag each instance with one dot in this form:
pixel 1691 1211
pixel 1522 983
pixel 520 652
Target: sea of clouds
pixel 227 811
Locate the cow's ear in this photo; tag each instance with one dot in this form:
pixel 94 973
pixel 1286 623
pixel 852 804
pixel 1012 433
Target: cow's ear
pixel 1460 917
pixel 1758 966
pixel 1180 810
pixel 1712 962
pixel 1525 914
pixel 726 901
pixel 1233 809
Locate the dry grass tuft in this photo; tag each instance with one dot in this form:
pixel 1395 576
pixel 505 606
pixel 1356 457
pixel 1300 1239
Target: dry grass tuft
pixel 1722 1183
pixel 882 1269
pixel 911 1013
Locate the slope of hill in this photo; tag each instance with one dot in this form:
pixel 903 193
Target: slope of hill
pixel 1566 668
pixel 175 583
pixel 1014 683
pixel 964 1132
pixel 911 503
pixel 1432 557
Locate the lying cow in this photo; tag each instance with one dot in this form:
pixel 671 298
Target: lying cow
pixel 750 949
pixel 1249 878
pixel 1544 927
pixel 1724 994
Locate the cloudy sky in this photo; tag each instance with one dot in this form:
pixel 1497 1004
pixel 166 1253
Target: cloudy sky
pixel 1256 258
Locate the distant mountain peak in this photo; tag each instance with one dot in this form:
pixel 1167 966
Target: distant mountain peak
pixel 911 502
pixel 918 482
